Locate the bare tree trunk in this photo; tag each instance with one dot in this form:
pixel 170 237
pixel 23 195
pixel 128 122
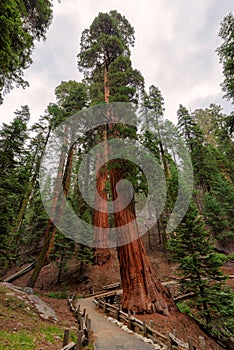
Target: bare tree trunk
pixel 61 201
pixel 142 292
pixel 40 262
pixel 50 226
pixel 165 215
pixel 19 219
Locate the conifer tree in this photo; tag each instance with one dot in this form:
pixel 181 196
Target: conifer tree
pixel 14 175
pixel 226 56
pixel 22 22
pixel 154 102
pixel 105 53
pixel 199 268
pixel 195 141
pixel 71 97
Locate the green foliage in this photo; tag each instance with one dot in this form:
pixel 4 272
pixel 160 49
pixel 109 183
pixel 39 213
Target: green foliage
pixel 58 295
pixel 21 22
pixel 64 249
pixel 184 308
pixel 105 50
pixel 85 254
pixel 20 340
pixel 226 55
pixel 32 332
pixel 14 176
pixel 71 96
pixel 219 209
pixel 108 37
pixel 125 82
pixel 199 265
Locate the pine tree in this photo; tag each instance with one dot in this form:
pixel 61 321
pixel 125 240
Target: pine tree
pixel 192 248
pixel 105 60
pixel 219 210
pixel 14 175
pixel 154 102
pixel 22 22
pixel 195 141
pixel 226 56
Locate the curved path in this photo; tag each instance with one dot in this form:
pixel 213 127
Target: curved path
pixel 108 336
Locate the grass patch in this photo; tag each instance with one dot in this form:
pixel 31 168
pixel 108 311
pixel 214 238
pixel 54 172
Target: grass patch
pixel 22 329
pixel 51 333
pixel 19 341
pixel 57 295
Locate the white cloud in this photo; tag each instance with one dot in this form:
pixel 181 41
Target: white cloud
pixel 174 50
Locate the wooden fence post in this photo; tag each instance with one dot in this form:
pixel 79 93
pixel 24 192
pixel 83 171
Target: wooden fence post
pixel 88 328
pixel 190 343
pixel 81 327
pixel 104 306
pixel 65 337
pixel 144 329
pixel 169 346
pixel 79 340
pixel 118 314
pixel 202 343
pixel 130 325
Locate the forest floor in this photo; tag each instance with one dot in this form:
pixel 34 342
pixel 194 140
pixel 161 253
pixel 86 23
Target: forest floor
pixel 91 280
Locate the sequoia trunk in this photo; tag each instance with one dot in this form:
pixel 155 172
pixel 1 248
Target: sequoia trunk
pixel 142 292
pixel 100 218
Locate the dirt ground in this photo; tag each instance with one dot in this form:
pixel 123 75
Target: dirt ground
pixel 92 280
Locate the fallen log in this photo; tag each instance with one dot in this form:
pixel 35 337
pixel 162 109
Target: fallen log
pixel 20 273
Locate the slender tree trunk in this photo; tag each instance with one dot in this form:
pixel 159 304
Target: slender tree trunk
pixel 165 215
pixel 100 218
pixel 106 85
pixel 40 262
pixel 31 185
pixel 20 216
pixel 61 201
pixel 142 292
pixel 50 226
pixel 61 266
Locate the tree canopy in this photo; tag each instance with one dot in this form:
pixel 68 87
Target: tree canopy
pixel 21 23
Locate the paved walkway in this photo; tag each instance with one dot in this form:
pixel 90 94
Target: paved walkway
pixel 108 336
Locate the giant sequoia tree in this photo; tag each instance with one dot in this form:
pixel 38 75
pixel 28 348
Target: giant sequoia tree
pixel 105 60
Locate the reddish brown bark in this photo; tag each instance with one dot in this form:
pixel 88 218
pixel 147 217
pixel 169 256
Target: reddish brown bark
pixel 142 291
pixel 106 85
pixel 100 217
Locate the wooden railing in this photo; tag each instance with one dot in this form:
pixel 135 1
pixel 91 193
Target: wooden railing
pixel 84 328
pixel 166 342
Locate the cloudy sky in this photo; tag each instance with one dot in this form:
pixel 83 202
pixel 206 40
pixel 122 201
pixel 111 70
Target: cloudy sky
pixel 174 50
